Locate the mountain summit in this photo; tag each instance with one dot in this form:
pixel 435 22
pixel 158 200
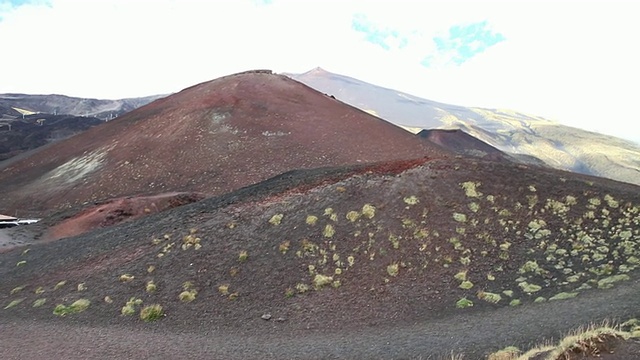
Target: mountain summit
pixel 212 138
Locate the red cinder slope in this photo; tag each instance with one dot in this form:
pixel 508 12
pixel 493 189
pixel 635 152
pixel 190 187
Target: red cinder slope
pixel 459 142
pixel 212 138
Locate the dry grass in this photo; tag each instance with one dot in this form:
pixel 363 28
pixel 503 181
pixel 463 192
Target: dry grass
pixel 75 307
pixel 587 341
pixel 507 353
pixel 151 312
pixel 188 295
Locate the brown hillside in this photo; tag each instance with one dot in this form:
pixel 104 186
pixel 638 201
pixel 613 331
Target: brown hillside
pixel 211 138
pixel 459 142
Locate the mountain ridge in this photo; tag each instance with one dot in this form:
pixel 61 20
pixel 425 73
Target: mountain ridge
pixel 513 132
pixel 55 104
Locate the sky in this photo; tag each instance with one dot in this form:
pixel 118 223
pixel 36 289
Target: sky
pixel 574 62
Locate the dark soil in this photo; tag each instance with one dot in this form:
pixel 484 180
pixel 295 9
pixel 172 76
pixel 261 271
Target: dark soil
pixel 38 130
pixel 400 266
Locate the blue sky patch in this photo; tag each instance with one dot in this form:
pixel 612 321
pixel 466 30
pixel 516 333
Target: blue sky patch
pixel 384 37
pixel 7 6
pixel 463 42
pixel 16 3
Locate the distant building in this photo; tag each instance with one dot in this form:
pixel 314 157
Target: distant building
pixel 8 221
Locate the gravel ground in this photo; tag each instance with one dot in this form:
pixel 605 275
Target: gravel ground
pixel 474 335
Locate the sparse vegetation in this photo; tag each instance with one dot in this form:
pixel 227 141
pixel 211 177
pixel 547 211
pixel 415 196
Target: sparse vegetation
pixel 224 289
pixel 151 313
pixel 508 353
pixel 191 240
pixel 289 292
pixel 353 216
pixel 411 200
pixel 126 277
pixel 75 307
pixel 608 282
pixel 501 250
pixel 464 303
pixel 470 189
pixel 188 296
pixel 130 307
pixel 329 231
pixel 128 310
pixel 460 217
pixel 320 281
pixel 243 256
pixel 563 296
pixel 276 219
pixel 311 220
pixel 351 260
pixel 284 246
pixel 302 288
pixel 151 286
pixel 489 297
pixel 368 211
pixel 529 288
pixel 13 303
pixel 585 342
pixel 393 269
pixel 17 289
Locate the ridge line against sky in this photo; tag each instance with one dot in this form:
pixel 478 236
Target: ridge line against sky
pixel 569 61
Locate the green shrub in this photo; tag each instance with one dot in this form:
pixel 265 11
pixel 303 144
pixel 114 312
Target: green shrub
pixel 188 295
pixel 489 297
pixel 464 303
pixel 321 280
pixel 276 219
pixel 243 256
pixel 14 303
pixel 126 277
pixel 368 211
pixel 151 313
pixel 128 310
pixel 393 269
pixel 289 293
pixel 563 296
pixel 328 231
pixel 75 307
pixel 17 290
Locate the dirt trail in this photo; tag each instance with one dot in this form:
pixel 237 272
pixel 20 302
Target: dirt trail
pixel 474 335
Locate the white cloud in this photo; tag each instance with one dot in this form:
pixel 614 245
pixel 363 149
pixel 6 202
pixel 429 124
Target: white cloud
pixel 570 61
